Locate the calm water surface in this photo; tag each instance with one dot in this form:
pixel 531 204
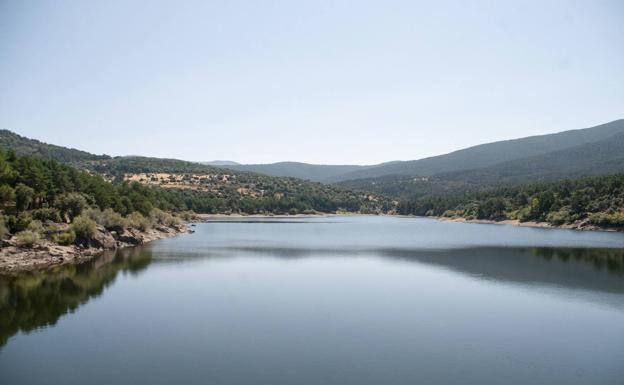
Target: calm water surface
pixel 344 300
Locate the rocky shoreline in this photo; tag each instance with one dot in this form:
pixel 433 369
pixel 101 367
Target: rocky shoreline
pixel 46 254
pixel 578 225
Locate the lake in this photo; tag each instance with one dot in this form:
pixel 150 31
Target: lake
pixel 339 300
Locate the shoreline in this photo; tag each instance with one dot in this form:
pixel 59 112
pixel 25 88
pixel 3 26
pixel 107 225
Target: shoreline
pixel 578 226
pixel 15 259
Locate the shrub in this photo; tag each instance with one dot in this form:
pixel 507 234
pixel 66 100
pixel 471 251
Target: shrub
pixel 27 238
pixel 47 214
pixel 111 220
pixel 524 214
pixel 163 218
pixel 18 223
pixel 607 219
pixel 136 219
pixel 65 238
pixel 560 217
pixel 93 213
pixel 188 215
pixel 84 227
pixel 35 226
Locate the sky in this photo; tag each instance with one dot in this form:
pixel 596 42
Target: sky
pixel 328 82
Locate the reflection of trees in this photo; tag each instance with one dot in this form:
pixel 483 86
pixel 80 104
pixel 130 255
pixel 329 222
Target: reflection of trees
pixel 39 299
pixel 609 259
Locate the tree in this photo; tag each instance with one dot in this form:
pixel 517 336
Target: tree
pixel 23 197
pixel 71 204
pixel 7 195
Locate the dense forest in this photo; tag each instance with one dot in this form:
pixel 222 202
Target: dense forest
pixel 595 200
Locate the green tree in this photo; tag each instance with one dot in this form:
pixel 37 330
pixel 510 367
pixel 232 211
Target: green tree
pixel 71 204
pixel 23 197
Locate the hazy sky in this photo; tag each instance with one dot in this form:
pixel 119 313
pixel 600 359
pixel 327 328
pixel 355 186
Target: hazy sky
pixel 318 81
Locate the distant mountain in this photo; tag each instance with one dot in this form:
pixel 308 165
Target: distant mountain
pixel 220 163
pixel 23 146
pixel 472 158
pixel 488 154
pixel 602 157
pixel 313 172
pixel 570 154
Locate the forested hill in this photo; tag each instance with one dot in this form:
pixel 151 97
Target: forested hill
pixel 23 146
pixel 185 185
pixel 597 157
pixel 490 154
pixel 595 201
pixel 313 172
pixel 515 158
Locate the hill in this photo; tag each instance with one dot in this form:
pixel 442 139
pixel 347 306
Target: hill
pixel 220 163
pixel 573 154
pixel 23 146
pixel 510 159
pixel 489 154
pixel 582 203
pixel 187 185
pixel 313 172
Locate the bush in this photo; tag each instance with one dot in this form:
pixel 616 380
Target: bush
pixel 136 219
pixel 35 226
pixel 163 218
pixel 27 238
pixel 84 227
pixel 65 238
pixel 112 220
pixel 559 217
pixel 47 214
pixel 18 223
pixel 606 219
pixel 188 215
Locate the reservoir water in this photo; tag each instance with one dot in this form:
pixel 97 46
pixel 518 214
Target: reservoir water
pixel 339 300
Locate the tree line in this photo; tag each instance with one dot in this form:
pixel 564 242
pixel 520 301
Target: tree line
pixel 596 200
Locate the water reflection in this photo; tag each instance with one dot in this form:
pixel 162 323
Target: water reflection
pixel 40 299
pixel 591 269
pixel 35 300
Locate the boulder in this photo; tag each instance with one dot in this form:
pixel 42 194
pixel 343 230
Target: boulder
pixel 130 236
pixel 103 239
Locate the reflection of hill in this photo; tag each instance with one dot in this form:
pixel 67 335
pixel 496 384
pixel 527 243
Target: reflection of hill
pixel 39 299
pixel 599 270
pixel 586 269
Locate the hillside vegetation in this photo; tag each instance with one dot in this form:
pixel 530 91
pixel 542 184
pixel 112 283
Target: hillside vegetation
pixel 570 154
pixel 313 172
pixel 189 186
pixel 490 154
pixel 22 146
pixel 602 155
pixel 597 201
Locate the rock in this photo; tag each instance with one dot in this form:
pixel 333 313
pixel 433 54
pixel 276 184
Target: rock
pixel 131 237
pixel 103 239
